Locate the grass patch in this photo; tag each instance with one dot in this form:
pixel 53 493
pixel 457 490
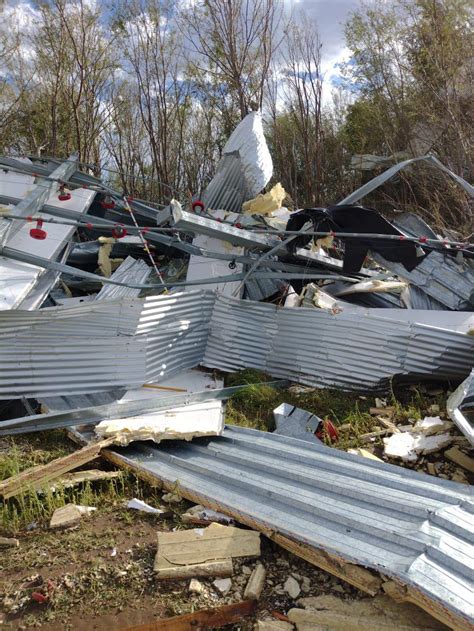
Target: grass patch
pixel 34 509
pixel 253 407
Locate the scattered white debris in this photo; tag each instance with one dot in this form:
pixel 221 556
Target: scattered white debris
pixel 432 425
pixel 408 446
pixel 140 505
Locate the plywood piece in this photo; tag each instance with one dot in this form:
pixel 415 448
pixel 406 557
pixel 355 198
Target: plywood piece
pixel 203 545
pixel 38 477
pixel 201 620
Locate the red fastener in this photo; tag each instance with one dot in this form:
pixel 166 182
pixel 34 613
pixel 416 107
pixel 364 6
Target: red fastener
pixel 64 195
pixel 198 204
pixel 119 231
pixel 107 202
pixel 38 232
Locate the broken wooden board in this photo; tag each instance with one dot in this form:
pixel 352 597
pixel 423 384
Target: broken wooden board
pixel 356 575
pixel 404 594
pixel 376 614
pixel 201 620
pixel 80 477
pixel 203 551
pixel 459 457
pixel 38 477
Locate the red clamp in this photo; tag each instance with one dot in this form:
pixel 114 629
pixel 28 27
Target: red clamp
pixel 198 204
pixel 107 202
pixel 119 231
pixel 38 232
pixel 64 195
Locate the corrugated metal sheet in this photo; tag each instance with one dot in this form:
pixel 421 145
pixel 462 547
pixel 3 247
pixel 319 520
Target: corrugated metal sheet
pixel 245 168
pixel 130 271
pixel 159 336
pixel 439 276
pixel 460 407
pixel 352 351
pixel 410 526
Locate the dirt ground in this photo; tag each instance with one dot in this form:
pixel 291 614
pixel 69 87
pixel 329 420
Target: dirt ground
pixel 99 576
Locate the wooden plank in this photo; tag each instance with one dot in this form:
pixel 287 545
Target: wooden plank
pixel 201 620
pixel 459 457
pixel 38 477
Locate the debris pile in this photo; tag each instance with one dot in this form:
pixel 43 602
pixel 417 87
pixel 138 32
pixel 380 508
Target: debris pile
pixel 116 314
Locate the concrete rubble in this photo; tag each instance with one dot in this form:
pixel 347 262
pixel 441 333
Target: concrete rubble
pixel 96 337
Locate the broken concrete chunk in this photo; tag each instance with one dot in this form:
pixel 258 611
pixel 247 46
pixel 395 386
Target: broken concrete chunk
pixel 196 586
pixel 292 587
pixel 432 425
pixel 65 517
pixel 255 584
pixel 408 446
pixel 203 551
pixel 223 585
pixel 376 614
pixel 459 457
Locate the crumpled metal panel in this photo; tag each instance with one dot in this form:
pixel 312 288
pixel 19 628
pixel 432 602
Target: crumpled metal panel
pixel 460 407
pixel 244 169
pixel 130 271
pixel 20 280
pixel 350 350
pixel 377 181
pixel 415 528
pixel 439 276
pixel 296 423
pixel 101 345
